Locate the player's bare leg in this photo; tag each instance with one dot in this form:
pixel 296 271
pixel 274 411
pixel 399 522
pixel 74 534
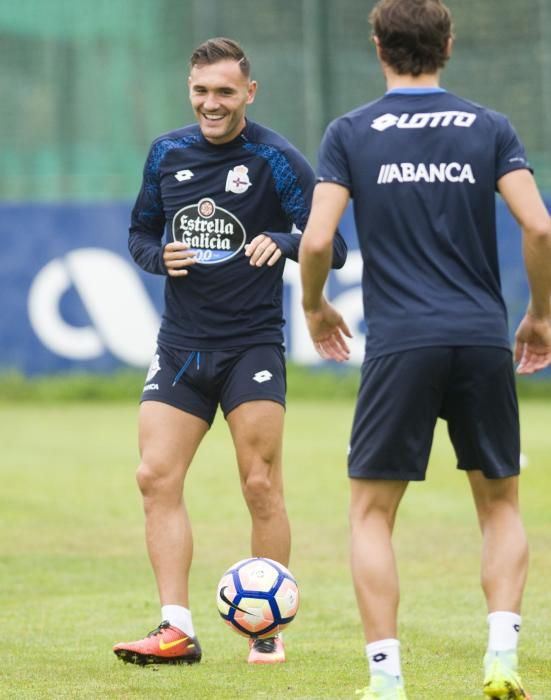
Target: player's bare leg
pixel 505 548
pixel 257 432
pixel 373 507
pixel 504 567
pixel 168 441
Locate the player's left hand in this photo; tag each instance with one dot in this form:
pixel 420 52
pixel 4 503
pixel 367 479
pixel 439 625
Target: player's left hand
pixel 262 251
pixel 533 345
pixel 329 331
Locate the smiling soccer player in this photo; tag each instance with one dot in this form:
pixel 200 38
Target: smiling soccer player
pixel 215 215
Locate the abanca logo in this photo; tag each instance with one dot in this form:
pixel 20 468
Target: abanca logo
pixel 432 172
pixel 421 120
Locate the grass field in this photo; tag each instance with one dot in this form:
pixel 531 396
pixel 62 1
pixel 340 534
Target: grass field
pixel 74 575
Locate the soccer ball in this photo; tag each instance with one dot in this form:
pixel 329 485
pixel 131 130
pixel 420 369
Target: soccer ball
pixel 257 597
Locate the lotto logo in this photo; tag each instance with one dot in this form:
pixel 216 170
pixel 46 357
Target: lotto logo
pixel 422 120
pixel 183 175
pixel 263 376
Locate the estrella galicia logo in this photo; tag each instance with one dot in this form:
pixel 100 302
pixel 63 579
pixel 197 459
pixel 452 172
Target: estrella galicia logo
pixel 232 605
pixel 215 234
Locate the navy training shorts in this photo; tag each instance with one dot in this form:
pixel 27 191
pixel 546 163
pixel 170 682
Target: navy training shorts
pixel 198 381
pixel 402 395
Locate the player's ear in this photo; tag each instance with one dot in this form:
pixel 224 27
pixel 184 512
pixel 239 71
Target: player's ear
pixel 375 40
pixel 251 91
pixel 449 46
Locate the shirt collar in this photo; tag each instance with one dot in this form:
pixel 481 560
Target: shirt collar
pixel 415 91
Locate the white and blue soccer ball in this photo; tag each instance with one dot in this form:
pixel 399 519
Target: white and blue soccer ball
pixel 257 597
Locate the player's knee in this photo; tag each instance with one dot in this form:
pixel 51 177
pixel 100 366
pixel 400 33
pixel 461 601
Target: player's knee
pixel 262 495
pixel 153 480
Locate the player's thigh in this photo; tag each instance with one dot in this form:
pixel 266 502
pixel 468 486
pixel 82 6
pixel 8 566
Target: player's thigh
pixel 481 409
pixel 490 495
pixel 397 407
pixel 375 496
pixel 257 432
pixel 168 438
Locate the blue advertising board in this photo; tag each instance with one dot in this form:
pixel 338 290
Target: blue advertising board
pixel 73 299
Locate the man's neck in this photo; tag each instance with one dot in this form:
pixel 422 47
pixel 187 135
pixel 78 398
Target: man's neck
pixel 395 81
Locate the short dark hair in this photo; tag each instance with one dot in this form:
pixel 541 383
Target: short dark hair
pixel 220 49
pixel 413 35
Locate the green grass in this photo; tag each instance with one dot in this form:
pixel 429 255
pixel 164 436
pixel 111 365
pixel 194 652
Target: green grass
pixel 74 575
pixel 315 383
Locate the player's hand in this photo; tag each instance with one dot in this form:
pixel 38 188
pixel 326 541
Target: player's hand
pixel 533 345
pixel 329 331
pixel 177 257
pixel 262 251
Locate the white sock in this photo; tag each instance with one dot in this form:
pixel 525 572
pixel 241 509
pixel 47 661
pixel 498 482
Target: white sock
pixel 384 655
pixel 179 617
pixel 504 628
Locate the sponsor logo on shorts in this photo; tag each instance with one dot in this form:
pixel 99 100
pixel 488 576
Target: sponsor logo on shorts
pixel 215 234
pixel 425 172
pixel 151 387
pixel 154 367
pixel 263 376
pixel 422 120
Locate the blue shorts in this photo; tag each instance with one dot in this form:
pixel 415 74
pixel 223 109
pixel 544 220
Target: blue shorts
pixel 198 381
pixel 402 395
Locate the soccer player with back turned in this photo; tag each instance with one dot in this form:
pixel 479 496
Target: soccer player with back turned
pixel 215 214
pixel 422 166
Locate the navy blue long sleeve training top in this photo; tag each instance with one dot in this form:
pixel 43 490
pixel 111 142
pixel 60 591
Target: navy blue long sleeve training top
pixel 217 198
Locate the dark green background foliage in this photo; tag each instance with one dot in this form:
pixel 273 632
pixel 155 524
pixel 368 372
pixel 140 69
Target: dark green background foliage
pixel 88 85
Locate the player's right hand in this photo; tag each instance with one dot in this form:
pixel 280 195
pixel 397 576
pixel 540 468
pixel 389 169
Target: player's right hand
pixel 177 256
pixel 329 331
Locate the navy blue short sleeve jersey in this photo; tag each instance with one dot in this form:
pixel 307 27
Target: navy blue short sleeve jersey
pixel 422 168
pixel 217 198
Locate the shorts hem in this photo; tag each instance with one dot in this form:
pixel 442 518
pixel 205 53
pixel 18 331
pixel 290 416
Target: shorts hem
pixel 514 471
pixel 252 397
pixel 387 477
pixel 180 407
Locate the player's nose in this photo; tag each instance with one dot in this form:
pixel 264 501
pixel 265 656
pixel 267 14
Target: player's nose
pixel 211 102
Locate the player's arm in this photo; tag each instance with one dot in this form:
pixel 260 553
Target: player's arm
pixel 296 200
pixel 267 248
pixel 327 327
pixel 145 239
pixel 533 336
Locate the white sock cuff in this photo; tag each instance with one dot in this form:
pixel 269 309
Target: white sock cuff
pixel 179 617
pixel 375 647
pixel 504 628
pixel 504 616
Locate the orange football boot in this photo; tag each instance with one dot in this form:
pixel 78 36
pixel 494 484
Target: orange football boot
pixel 164 645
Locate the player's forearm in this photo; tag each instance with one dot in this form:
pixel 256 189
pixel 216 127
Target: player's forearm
pixel 315 263
pixel 289 245
pixel 147 251
pixel 537 259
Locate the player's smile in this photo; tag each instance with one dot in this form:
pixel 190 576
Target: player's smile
pixel 219 94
